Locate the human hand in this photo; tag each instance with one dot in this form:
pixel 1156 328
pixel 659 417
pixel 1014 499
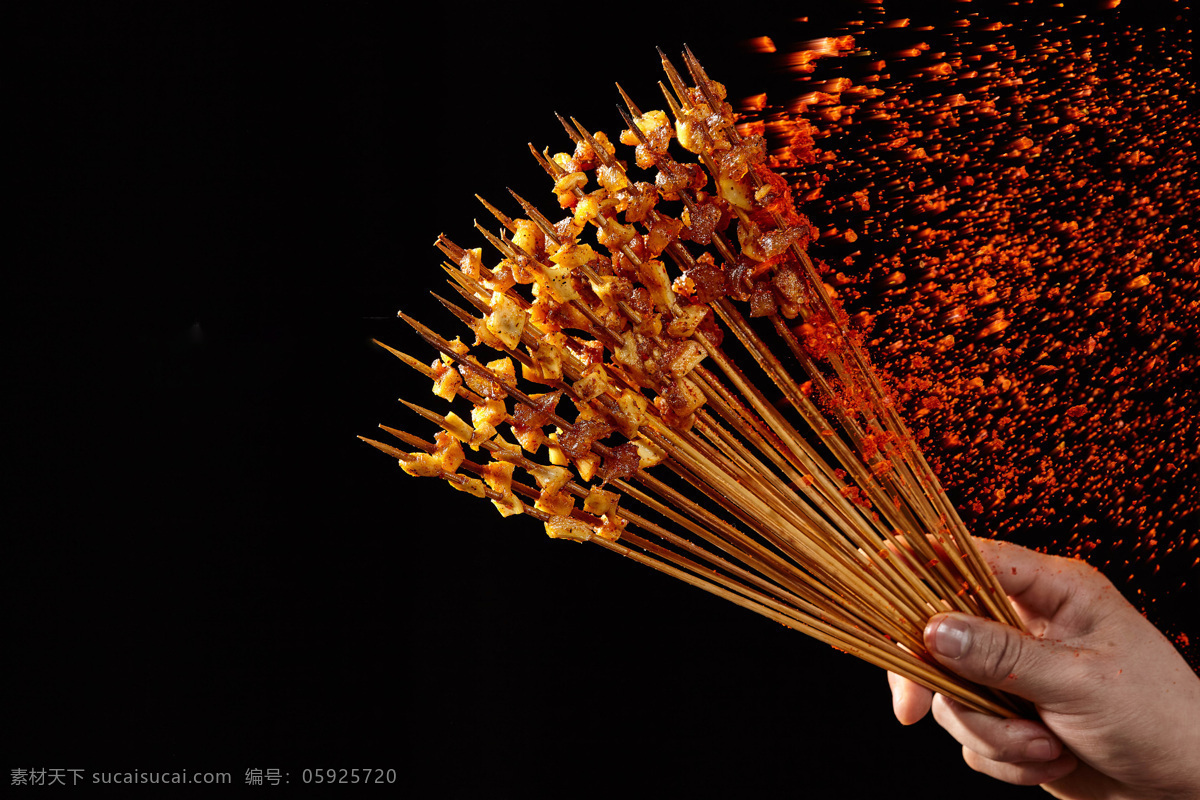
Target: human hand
pixel 1119 706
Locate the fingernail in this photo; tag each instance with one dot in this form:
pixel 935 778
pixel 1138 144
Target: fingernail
pixel 951 638
pixel 1039 750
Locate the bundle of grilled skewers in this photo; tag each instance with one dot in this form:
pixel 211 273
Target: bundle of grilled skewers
pixel 604 387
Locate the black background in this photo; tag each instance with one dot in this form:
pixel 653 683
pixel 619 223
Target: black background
pixel 208 571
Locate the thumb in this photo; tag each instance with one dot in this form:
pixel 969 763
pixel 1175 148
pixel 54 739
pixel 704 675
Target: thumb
pixel 996 655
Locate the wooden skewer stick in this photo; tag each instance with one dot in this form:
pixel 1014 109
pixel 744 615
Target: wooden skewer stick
pixel 790 508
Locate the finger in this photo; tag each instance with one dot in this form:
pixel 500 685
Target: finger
pixel 994 738
pixel 1039 583
pixel 910 702
pixel 996 655
pixel 1030 773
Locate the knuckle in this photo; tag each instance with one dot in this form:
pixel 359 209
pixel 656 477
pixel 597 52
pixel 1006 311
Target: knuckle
pixel 1001 654
pixel 1008 751
pixel 978 762
pixel 1019 775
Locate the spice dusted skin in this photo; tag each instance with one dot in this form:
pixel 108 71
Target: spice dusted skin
pixel 527 418
pixel 577 440
pixel 673 178
pixel 709 280
pixel 703 219
pixel 479 380
pixel 623 462
pixel 657 131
